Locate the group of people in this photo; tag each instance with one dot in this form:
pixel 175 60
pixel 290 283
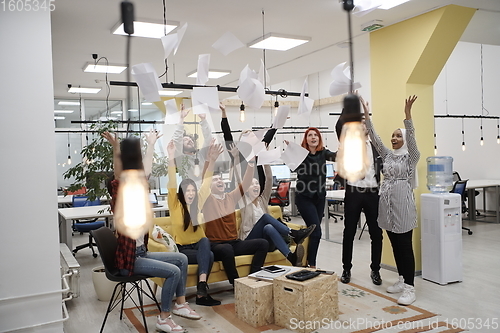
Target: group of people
pixel 204 220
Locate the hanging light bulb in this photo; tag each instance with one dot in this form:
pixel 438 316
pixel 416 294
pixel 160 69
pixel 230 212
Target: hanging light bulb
pixel 481 141
pixel 463 145
pixel 133 213
pixel 242 112
pixel 196 170
pixel 498 131
pixel 276 106
pixel 463 136
pixel 69 152
pixel 435 146
pixel 352 158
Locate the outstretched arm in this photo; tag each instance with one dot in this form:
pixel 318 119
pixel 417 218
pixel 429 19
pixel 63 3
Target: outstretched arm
pixel 410 131
pixel 117 162
pixel 151 138
pixel 377 142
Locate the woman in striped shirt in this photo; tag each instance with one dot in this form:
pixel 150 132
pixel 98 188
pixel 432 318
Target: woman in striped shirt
pixel 397 209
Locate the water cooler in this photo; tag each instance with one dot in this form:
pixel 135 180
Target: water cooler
pixel 441 226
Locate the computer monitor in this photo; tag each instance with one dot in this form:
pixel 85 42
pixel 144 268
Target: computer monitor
pixel 281 171
pixel 163 183
pixel 330 172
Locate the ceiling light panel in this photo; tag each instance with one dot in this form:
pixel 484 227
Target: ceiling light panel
pixel 68 103
pixel 147 29
pixel 82 90
pixel 388 4
pixel 212 73
pixel 64 111
pixel 278 42
pixel 110 69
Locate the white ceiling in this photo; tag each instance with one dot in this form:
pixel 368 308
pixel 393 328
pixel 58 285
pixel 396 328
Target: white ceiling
pixel 81 28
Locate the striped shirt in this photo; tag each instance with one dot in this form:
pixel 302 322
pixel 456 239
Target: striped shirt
pixel 397 209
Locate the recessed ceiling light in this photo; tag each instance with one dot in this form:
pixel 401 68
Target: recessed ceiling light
pixel 212 73
pixel 388 4
pixel 279 42
pixel 80 90
pixel 147 29
pixel 117 112
pixel 59 117
pixel 68 103
pixel 169 92
pixel 146 103
pixel 64 111
pixel 110 69
pixel 133 110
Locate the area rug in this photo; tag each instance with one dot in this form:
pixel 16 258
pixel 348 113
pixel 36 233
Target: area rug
pixel 362 310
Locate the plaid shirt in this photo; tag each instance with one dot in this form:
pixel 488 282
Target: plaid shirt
pixel 125 252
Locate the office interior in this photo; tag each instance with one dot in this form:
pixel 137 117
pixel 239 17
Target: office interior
pixel 35 152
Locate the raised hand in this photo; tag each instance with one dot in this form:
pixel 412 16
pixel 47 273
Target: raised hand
pixel 286 142
pixel 366 108
pixel 184 112
pixel 222 107
pixel 171 149
pixel 408 105
pixel 214 151
pixel 152 136
pixel 233 150
pixel 112 139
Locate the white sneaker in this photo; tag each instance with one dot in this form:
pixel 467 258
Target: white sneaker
pixel 397 287
pixel 185 311
pixel 168 325
pixel 408 296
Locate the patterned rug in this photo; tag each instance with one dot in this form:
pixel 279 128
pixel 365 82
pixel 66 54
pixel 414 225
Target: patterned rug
pixel 361 311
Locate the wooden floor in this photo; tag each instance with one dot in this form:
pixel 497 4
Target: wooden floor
pixel 477 297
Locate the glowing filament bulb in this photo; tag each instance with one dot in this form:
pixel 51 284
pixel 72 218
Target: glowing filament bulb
pixel 196 170
pixel 352 157
pixel 463 146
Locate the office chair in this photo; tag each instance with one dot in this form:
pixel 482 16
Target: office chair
pixel 107 244
pixel 456 177
pixel 336 204
pixel 281 197
pixel 86 225
pixel 459 188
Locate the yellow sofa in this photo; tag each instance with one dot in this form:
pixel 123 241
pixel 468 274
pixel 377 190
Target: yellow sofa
pixel 242 262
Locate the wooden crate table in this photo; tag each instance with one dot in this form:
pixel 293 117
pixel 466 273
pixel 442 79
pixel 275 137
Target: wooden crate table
pixel 254 301
pixel 297 303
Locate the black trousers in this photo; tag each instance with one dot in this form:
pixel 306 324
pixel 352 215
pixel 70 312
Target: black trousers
pixel 402 247
pixel 357 200
pixel 226 251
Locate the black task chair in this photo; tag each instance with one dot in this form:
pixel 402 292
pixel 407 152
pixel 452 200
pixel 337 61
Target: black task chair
pixel 459 187
pixel 456 176
pixel 334 204
pixel 82 226
pixel 107 244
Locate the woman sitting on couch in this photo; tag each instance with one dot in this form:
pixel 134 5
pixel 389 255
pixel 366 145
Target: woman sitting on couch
pixel 185 210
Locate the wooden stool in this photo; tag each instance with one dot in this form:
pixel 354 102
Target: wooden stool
pixel 254 301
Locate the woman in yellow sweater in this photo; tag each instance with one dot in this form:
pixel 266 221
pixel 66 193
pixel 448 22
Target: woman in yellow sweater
pixel 184 208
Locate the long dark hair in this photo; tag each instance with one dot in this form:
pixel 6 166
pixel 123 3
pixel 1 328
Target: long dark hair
pixel 193 214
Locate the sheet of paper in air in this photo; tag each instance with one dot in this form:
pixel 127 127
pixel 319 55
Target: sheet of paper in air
pixel 281 116
pixel 260 133
pixel 148 81
pixel 172 115
pixel 250 89
pixel 180 35
pixel 363 7
pixel 342 80
pixel 293 155
pixel 227 43
pixel 202 72
pixel 269 156
pixel 305 103
pixel 247 141
pixel 204 99
pixel 169 43
pixel 263 74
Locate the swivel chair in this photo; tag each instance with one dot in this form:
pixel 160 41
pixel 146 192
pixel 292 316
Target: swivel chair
pixel 86 225
pixel 107 244
pixel 456 176
pixel 459 188
pixel 281 197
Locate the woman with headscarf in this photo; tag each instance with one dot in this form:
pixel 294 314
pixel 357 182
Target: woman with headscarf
pixel 397 209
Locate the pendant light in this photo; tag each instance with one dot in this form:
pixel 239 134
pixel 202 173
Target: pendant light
pixel 463 136
pixel 242 112
pixel 69 152
pixel 498 131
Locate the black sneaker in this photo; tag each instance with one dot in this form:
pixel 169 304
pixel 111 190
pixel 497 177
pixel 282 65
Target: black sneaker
pixel 202 288
pixel 207 301
pixel 376 279
pixel 346 277
pixel 301 234
pixel 295 258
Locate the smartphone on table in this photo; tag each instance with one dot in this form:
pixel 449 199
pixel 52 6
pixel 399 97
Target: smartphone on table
pixel 273 269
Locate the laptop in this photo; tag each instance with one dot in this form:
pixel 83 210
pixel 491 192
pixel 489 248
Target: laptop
pixel 153 199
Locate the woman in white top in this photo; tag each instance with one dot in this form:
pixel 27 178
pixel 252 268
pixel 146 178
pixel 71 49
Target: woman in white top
pixel 397 209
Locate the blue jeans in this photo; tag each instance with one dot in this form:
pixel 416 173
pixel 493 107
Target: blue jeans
pixel 271 229
pixel 172 266
pixel 200 254
pixel 311 210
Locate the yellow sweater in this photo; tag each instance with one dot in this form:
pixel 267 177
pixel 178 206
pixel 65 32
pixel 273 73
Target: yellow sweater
pixel 189 236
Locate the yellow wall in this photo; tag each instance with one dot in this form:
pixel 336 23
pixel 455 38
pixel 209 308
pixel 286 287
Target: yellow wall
pixel 406 59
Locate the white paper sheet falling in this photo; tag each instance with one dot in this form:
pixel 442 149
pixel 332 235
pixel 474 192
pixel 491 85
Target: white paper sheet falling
pixel 147 80
pixel 305 103
pixel 263 74
pixel 281 116
pixel 269 156
pixel 180 35
pixel 342 80
pixel 293 155
pixel 169 43
pixel 202 72
pixel 363 7
pixel 172 115
pixel 227 43
pixel 205 99
pixel 252 93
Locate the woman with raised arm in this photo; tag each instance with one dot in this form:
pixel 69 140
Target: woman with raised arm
pixel 133 257
pixel 185 210
pixel 397 209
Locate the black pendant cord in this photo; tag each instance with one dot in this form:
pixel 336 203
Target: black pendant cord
pixel 351 52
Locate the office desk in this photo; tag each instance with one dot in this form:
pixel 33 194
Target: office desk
pixel 67 201
pixel 331 195
pixel 472 185
pixel 67 215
